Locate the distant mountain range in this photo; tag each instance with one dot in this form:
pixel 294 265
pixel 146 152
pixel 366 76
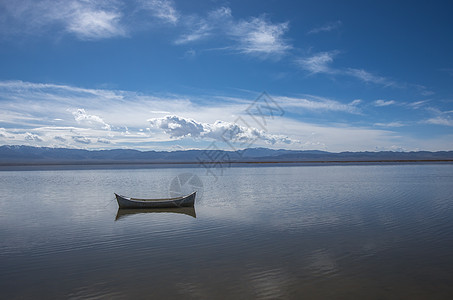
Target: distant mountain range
pixel 27 155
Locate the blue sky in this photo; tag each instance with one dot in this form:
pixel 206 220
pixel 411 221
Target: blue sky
pixel 169 75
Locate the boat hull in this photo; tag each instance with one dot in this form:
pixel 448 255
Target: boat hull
pixel 185 201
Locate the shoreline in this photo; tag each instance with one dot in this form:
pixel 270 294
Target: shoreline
pixel 290 162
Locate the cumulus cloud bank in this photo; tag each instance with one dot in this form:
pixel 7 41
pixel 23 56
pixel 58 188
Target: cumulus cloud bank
pixel 179 127
pixel 106 119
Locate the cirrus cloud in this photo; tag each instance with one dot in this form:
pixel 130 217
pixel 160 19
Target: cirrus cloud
pixel 440 120
pixel 162 9
pixel 87 20
pixel 326 27
pixel 320 63
pixel 381 102
pixel 254 36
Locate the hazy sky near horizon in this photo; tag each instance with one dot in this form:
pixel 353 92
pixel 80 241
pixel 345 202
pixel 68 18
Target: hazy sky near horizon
pixel 166 75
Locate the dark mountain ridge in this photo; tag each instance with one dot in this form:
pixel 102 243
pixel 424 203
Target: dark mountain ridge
pixel 28 155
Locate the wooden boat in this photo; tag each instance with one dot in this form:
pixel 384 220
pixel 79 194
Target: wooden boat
pixel 184 201
pixel 126 212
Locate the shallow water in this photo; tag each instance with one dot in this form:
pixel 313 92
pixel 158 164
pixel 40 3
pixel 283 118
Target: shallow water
pixel 338 232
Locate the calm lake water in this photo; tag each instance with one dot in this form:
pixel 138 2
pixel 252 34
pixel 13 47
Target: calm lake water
pixel 335 232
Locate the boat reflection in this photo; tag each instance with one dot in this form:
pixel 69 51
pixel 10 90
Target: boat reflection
pixel 124 212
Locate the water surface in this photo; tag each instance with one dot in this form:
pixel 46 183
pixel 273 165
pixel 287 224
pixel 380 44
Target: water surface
pixel 338 232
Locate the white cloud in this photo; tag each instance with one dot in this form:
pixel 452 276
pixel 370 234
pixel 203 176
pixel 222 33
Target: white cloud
pixel 25 109
pixel 381 102
pixel 100 19
pixel 5 134
pixel 179 127
pixel 318 104
pixel 321 63
pixel 162 9
pixel 88 20
pixel 326 27
pixel 417 104
pixel 222 14
pixel 440 117
pixel 57 89
pixel 28 104
pixel 15 136
pixel 338 137
pixel 258 36
pixel 159 112
pixel 390 124
pixel 255 36
pixel 82 117
pixel 229 131
pixel 440 120
pixel 318 63
pixel 199 29
pixel 369 77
